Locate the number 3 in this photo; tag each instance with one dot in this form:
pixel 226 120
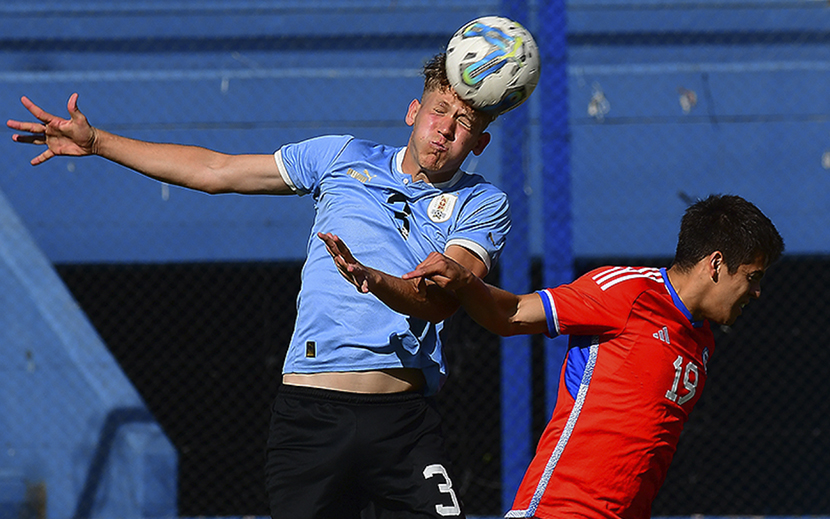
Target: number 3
pixel 444 488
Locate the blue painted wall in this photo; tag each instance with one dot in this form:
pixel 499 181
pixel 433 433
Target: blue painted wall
pixel 759 128
pixel 245 79
pixel 71 424
pixel 249 76
pixel 748 132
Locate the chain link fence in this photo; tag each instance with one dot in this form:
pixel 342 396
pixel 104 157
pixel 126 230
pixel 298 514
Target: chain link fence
pixel 194 296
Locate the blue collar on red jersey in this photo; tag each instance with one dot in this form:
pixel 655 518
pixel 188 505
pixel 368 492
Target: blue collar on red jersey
pixel 677 301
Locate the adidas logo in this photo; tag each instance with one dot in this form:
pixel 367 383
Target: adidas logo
pixel 662 335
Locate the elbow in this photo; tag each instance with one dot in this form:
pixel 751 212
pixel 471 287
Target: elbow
pixel 213 186
pixel 215 190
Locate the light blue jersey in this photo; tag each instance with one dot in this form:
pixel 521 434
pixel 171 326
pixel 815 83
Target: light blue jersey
pixel 392 224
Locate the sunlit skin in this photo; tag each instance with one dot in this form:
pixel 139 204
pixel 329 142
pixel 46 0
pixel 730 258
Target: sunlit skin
pixel 730 292
pixel 708 290
pixel 444 131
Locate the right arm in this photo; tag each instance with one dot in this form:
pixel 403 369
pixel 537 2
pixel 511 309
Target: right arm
pixel 497 310
pixel 187 166
pixel 443 282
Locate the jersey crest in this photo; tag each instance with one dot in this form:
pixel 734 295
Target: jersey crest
pixel 440 208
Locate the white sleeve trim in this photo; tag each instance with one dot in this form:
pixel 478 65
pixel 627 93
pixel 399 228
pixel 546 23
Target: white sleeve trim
pixel 477 249
pixel 284 172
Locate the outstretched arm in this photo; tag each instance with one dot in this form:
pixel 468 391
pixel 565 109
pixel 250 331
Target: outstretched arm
pixel 416 297
pixel 188 166
pixel 500 311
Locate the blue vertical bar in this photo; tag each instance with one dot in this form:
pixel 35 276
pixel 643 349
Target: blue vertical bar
pixel 556 164
pixel 516 383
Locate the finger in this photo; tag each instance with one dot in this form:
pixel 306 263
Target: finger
pixel 417 273
pixel 432 259
pixel 343 249
pixel 25 126
pixel 43 157
pixel 37 138
pixel 341 264
pixel 72 105
pixel 335 244
pixel 425 270
pixel 39 113
pixel 429 265
pixel 328 242
pixel 74 112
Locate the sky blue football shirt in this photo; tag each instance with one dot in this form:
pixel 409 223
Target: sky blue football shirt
pixel 389 223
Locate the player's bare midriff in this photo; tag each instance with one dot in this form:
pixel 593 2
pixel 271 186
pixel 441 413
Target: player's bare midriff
pixel 394 380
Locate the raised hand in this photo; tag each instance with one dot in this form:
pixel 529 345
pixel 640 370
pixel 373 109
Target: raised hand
pixel 73 136
pixel 355 273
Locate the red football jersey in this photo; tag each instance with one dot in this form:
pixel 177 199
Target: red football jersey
pixel 636 366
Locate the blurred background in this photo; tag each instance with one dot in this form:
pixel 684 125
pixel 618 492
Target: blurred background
pixel 143 326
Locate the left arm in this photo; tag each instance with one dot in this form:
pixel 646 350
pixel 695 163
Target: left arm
pixel 421 298
pixel 499 311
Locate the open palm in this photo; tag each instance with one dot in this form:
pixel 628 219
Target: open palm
pixel 73 136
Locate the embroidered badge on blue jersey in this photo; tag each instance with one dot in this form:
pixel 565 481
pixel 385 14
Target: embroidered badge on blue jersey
pixel 440 208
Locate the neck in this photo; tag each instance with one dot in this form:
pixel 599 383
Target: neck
pixel 421 175
pixel 409 166
pixel 688 289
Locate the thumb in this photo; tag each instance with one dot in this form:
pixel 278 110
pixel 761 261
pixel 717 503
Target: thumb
pixel 72 107
pixel 72 104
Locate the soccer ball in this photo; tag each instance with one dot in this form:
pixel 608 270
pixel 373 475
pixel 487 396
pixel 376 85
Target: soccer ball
pixel 493 64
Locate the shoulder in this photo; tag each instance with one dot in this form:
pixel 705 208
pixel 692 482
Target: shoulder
pixel 625 281
pixel 325 141
pixel 475 189
pixel 314 147
pixel 466 180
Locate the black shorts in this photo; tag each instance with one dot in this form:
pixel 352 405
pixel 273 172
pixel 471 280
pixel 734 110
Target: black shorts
pixel 339 455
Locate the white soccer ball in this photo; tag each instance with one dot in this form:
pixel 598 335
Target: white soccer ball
pixel 493 64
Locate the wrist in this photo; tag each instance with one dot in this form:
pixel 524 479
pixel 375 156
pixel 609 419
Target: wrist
pixel 94 145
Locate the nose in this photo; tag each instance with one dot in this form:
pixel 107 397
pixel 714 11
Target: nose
pixel 755 291
pixel 447 128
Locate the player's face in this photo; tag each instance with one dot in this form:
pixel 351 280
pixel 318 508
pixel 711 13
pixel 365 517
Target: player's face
pixel 734 291
pixel 444 131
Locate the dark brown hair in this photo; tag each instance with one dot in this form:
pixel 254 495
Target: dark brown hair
pixel 731 225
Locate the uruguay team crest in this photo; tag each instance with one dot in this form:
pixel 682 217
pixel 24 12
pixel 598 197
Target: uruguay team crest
pixel 440 208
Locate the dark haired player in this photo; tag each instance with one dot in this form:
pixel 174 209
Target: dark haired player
pixel 638 357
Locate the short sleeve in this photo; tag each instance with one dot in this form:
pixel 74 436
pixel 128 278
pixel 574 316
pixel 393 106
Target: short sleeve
pixel 483 225
pixel 302 164
pixel 583 308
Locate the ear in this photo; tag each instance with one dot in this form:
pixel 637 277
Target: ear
pixel 483 141
pixel 412 111
pixel 714 265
